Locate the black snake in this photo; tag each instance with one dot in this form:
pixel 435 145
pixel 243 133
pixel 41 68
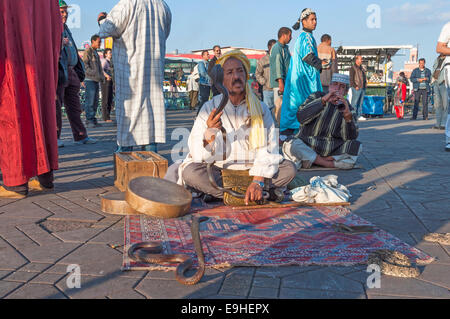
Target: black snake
pixel 151 252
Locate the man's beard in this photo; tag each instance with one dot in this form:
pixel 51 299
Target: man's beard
pixel 233 93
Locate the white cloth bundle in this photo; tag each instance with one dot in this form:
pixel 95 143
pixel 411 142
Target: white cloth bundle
pixel 321 190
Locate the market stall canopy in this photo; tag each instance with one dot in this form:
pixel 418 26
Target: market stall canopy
pixel 377 53
pixel 184 57
pixel 373 55
pixel 371 50
pixel 184 63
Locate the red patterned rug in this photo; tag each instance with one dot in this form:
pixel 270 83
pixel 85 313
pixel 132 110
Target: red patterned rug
pixel 275 237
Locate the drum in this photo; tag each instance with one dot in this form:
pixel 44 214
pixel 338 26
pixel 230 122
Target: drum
pixel 115 203
pixel 158 197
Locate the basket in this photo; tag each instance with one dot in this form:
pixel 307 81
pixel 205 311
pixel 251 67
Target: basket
pixel 238 181
pixel 129 165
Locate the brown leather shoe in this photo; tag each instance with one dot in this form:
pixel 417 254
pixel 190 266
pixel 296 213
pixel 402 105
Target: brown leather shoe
pixel 4 193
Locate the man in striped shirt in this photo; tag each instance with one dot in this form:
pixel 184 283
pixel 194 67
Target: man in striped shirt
pixel 328 132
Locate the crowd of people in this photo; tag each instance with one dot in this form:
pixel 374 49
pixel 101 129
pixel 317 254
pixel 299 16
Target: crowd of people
pixel 304 97
pixel 293 101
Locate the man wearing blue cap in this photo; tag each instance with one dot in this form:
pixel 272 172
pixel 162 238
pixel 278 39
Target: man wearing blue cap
pixel 328 132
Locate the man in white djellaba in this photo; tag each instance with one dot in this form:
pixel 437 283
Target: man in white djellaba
pixel 443 47
pixel 140 29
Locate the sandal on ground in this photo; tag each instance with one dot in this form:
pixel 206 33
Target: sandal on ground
pixel 4 193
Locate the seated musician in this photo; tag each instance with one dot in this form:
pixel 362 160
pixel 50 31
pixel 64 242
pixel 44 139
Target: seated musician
pixel 251 139
pixel 328 132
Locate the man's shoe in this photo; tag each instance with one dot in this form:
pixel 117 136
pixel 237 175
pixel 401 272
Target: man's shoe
pixel 35 185
pixel 60 144
pixel 343 165
pixel 87 140
pixel 442 127
pixel 362 118
pixel 435 127
pixel 211 199
pixel 4 193
pixel 276 195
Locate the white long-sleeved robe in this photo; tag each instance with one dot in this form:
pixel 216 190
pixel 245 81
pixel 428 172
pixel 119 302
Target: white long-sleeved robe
pixel 263 162
pixel 140 29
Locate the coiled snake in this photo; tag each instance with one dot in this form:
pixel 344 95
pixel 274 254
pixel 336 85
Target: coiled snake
pixel 151 252
pixel 393 263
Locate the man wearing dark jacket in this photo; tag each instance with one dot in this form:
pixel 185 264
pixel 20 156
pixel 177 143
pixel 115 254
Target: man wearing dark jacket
pixel 421 77
pixel 94 77
pixel 71 73
pixel 212 62
pixel 358 83
pixel 262 74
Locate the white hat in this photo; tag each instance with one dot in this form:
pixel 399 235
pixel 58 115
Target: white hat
pixel 342 78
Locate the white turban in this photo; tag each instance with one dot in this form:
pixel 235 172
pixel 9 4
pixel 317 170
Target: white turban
pixel 306 14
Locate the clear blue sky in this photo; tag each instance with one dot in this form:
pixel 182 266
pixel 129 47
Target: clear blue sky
pixel 198 24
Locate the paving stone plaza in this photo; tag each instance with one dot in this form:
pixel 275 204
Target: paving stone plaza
pixel 403 188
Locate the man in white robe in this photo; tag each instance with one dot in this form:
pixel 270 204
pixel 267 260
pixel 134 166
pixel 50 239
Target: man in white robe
pixel 251 135
pixel 140 29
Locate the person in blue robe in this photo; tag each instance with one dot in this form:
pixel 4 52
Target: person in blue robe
pixel 303 77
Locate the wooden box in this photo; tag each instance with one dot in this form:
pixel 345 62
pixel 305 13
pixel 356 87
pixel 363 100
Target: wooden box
pixel 129 165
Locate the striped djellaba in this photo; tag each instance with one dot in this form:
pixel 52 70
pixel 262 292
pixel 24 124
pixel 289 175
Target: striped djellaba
pixel 324 129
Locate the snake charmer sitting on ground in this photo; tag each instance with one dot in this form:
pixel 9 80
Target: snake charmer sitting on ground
pixel 251 138
pixel 328 130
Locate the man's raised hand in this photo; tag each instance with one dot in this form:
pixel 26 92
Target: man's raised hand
pixel 329 97
pixel 101 16
pixel 214 125
pixel 214 121
pixel 346 110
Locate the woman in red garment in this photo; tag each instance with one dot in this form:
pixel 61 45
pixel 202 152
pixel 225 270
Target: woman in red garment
pixel 30 37
pixel 400 96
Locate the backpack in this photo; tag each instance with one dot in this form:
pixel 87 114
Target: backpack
pixel 195 74
pixel 437 72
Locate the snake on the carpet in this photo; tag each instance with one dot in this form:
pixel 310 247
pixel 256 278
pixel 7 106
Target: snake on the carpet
pixel 151 252
pixel 393 263
pixel 353 230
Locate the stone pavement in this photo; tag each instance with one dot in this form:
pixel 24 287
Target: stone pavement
pixel 404 188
